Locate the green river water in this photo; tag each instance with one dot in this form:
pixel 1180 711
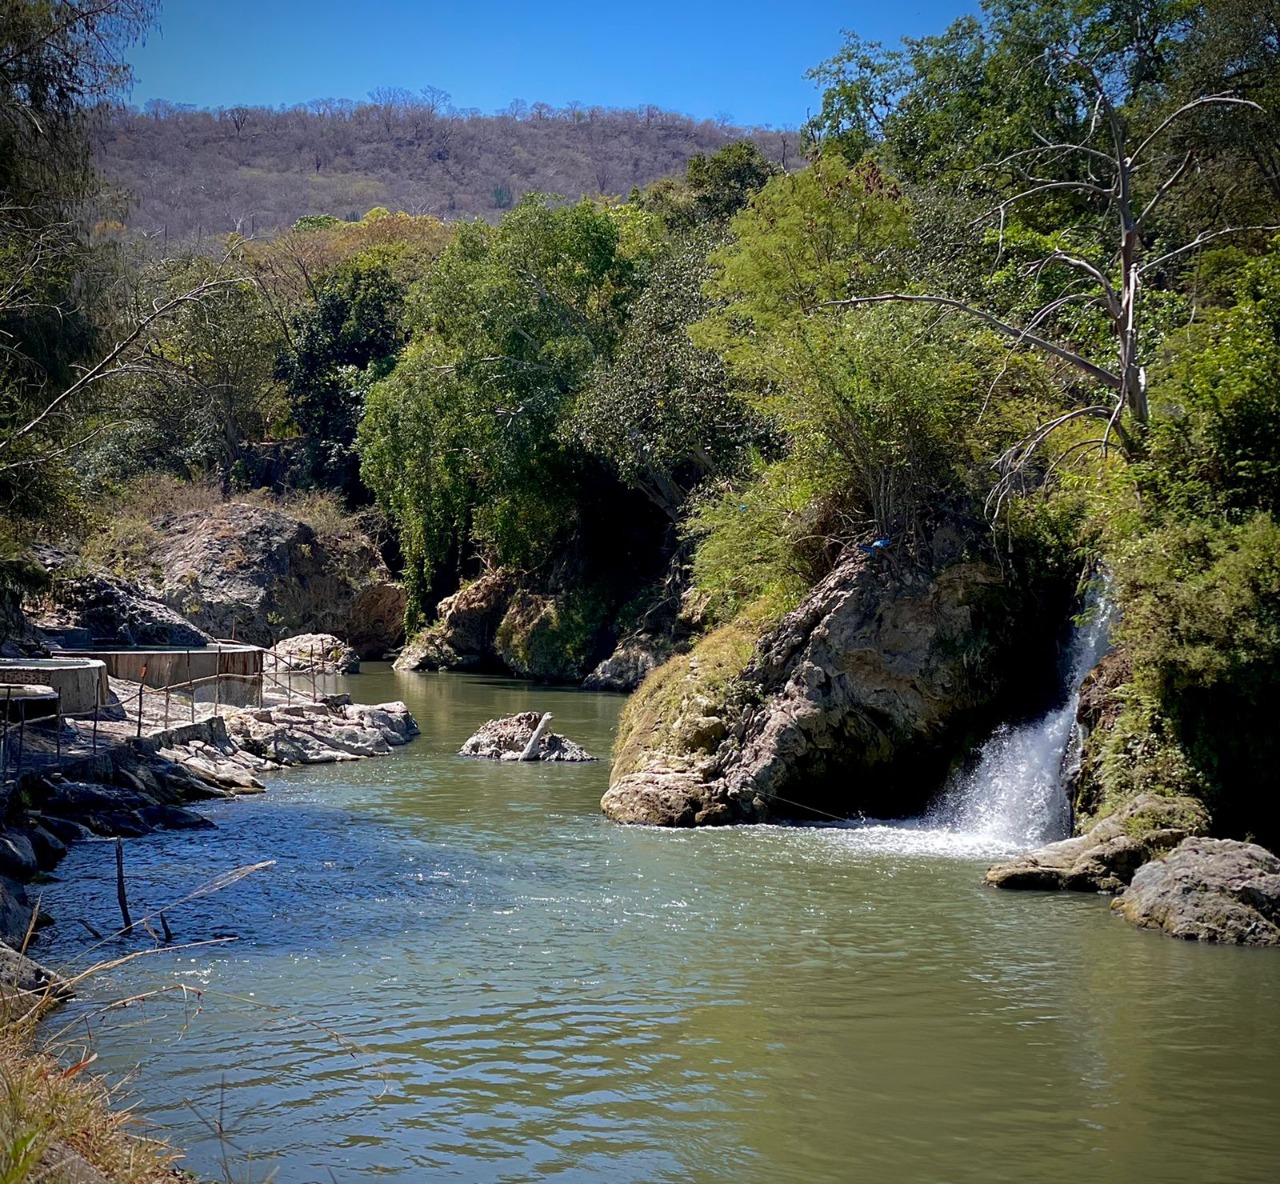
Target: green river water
pixel 459 970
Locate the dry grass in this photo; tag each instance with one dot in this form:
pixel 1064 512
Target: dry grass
pixel 675 709
pixel 49 1109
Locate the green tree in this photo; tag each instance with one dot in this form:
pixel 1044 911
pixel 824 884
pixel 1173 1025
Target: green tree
pixel 463 442
pixel 353 328
pixel 661 410
pixel 54 60
pixel 1070 118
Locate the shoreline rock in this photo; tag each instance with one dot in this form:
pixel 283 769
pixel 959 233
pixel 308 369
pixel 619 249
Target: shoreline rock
pixel 856 701
pixel 1218 890
pixel 1107 856
pixel 322 652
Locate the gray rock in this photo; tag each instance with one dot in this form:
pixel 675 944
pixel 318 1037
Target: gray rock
pixel 17 858
pixel 71 799
pixel 1209 890
pixel 20 973
pixel 505 739
pixel 463 637
pixel 117 824
pixel 173 818
pixel 15 913
pixel 321 652
pixel 628 666
pixel 48 848
pixel 254 572
pixel 111 610
pixel 66 831
pixel 1107 856
pixel 862 693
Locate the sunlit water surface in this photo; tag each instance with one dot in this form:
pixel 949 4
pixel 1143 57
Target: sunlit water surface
pixel 459 970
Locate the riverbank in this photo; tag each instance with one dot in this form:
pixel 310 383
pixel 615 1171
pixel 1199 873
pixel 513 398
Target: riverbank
pixel 124 776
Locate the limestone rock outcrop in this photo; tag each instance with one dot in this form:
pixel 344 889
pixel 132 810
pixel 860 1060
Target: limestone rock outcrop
pixel 629 665
pixel 467 622
pixel 321 652
pixel 1208 890
pixel 855 701
pixel 81 609
pixel 321 733
pixel 256 573
pixel 1106 858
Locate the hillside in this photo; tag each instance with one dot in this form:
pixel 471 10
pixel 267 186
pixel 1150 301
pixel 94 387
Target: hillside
pixel 253 169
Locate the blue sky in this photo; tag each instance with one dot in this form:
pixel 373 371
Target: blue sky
pixel 746 59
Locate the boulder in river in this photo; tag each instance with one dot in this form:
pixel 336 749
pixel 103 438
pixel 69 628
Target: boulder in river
pixel 1105 858
pixel 508 739
pixel 462 637
pixel 1209 890
pixel 321 652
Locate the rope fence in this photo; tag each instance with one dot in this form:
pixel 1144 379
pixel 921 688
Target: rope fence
pixel 318 667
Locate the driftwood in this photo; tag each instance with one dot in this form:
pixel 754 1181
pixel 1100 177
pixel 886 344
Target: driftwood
pixel 530 752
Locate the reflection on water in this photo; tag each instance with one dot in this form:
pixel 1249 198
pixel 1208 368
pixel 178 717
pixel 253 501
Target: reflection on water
pixel 459 970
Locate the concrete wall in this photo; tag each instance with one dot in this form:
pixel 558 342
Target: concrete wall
pixel 181 668
pixel 82 682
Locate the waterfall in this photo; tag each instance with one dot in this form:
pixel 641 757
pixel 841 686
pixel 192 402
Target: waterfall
pixel 1015 796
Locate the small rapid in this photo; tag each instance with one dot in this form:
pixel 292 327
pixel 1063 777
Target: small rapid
pixel 1014 797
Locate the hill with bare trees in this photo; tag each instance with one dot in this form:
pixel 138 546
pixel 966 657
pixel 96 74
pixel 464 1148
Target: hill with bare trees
pixel 252 169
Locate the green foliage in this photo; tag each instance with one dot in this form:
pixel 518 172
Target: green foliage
pixel 678 710
pixel 208 387
pixel 661 410
pixel 465 442
pixel 553 638
pixel 310 222
pixel 1215 440
pixel 54 281
pixel 1202 626
pixel 346 340
pixel 713 189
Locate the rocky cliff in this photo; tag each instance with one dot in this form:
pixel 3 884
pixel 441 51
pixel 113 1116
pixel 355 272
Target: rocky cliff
pixel 855 702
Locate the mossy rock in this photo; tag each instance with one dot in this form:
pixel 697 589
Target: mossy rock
pixel 557 639
pixel 681 709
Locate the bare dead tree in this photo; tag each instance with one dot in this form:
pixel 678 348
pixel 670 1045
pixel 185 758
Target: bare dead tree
pixel 1129 180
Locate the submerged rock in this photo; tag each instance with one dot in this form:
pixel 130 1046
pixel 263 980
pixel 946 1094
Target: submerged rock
pixel 506 739
pixel 1105 858
pixel 1209 890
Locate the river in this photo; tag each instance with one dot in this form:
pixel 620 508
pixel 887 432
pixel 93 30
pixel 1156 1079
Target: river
pixel 459 970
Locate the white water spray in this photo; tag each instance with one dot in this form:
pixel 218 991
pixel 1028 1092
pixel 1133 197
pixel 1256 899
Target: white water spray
pixel 1015 796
